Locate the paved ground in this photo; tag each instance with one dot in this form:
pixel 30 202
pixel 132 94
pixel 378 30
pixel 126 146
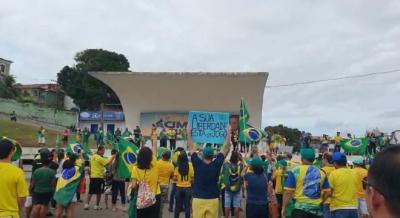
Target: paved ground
pixel 104 213
pixel 80 212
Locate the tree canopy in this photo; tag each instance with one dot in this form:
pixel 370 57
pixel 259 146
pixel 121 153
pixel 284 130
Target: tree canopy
pixel 87 91
pixel 7 89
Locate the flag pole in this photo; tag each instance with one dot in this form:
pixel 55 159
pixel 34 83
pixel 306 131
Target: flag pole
pixel 242 114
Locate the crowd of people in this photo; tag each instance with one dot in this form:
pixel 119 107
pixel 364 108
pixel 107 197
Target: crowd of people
pixel 200 181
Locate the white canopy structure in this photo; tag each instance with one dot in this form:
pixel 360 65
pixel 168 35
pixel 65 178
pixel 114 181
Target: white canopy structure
pixel 142 92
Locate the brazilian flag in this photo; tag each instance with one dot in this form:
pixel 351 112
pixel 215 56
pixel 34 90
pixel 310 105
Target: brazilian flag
pixel 127 157
pixel 355 146
pixel 74 147
pixel 253 134
pixel 244 117
pixel 67 184
pixel 247 133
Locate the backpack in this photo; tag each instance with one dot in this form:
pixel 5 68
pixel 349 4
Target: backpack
pixel 312 183
pixel 234 180
pixel 145 197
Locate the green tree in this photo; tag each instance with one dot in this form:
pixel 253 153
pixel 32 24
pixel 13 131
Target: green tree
pixel 292 135
pixel 7 89
pixel 87 91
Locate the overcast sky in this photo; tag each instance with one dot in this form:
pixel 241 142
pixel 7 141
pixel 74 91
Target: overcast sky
pixel 293 40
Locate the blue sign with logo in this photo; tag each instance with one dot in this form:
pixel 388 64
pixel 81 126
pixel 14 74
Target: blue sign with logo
pixel 96 116
pixel 208 127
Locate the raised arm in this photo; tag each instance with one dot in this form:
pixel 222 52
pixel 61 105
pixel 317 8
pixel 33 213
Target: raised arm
pixel 227 144
pixel 189 140
pixel 154 148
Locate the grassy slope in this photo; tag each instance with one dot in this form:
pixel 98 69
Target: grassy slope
pixel 27 134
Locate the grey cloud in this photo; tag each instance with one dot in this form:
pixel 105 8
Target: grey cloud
pixel 293 40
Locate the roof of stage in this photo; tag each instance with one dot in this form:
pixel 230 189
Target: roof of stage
pixel 186 91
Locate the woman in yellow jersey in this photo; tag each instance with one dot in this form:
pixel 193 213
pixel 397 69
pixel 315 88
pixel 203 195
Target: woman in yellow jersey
pixel 183 177
pixel 147 172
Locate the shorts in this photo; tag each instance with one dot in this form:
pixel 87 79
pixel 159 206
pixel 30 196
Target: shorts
pixel 362 206
pixel 232 199
pixel 42 198
pixel 42 140
pixel 205 207
pixel 96 186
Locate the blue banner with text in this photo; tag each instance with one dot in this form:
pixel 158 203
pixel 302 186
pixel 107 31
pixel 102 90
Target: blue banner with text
pixel 208 127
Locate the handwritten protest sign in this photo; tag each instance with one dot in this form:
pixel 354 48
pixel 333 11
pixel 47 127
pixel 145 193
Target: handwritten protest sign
pixel 208 127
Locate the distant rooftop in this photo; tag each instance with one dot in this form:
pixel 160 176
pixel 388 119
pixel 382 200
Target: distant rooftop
pixel 5 60
pixel 47 87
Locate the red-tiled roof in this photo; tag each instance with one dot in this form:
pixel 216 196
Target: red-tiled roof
pixel 48 87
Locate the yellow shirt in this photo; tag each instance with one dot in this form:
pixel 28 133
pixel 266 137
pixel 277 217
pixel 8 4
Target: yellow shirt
pixel 343 183
pixel 97 164
pixel 12 187
pixel 338 139
pixel 152 175
pixel 166 171
pixel 184 182
pixel 328 170
pixel 361 174
pixel 278 181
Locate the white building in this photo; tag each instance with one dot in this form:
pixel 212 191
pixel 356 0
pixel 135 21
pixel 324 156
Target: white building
pixel 143 93
pixel 5 67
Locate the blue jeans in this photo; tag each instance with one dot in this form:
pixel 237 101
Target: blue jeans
pixel 183 196
pixel 344 213
pixel 232 199
pixel 172 196
pixel 326 211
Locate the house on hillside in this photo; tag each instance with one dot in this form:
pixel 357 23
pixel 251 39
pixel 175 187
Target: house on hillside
pixel 49 94
pixel 4 67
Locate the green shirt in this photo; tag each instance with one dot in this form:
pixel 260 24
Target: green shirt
pixel 43 178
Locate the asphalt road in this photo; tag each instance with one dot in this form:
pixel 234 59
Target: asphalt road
pixel 104 213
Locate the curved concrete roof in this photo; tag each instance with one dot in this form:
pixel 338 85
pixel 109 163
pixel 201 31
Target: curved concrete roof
pixel 186 91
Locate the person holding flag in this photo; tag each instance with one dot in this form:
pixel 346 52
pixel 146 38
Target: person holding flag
pixel 67 185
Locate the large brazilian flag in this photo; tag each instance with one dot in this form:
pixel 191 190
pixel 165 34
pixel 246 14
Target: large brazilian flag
pixel 127 157
pixel 355 146
pixel 67 185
